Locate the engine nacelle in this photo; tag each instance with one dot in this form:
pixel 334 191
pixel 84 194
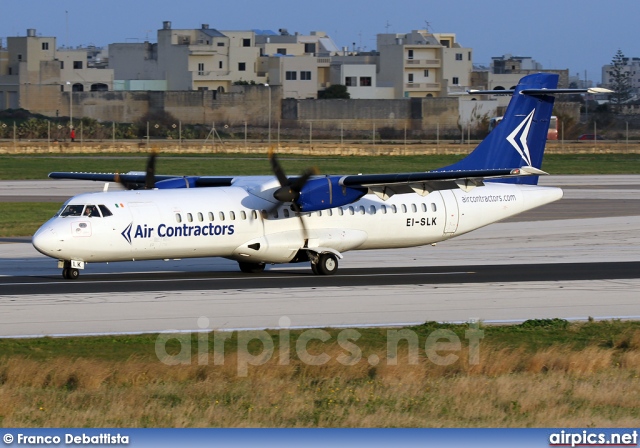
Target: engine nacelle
pixel 325 193
pixel 178 182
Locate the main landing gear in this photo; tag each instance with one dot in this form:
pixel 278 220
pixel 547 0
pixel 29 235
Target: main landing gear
pixel 321 264
pixel 324 264
pixel 251 268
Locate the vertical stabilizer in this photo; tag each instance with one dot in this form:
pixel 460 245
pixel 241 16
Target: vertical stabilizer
pixel 520 138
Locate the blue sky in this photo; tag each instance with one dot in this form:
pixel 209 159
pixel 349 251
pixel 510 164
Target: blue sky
pixel 575 34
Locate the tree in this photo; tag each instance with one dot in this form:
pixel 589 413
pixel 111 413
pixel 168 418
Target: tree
pixel 619 80
pixel 334 91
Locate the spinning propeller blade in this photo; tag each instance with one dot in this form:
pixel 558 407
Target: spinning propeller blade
pixel 149 180
pixel 289 191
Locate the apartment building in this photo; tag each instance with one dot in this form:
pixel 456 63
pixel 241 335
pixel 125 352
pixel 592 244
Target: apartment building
pixel 418 64
pixel 187 59
pixel 423 64
pixel 301 64
pixel 33 74
pixel 298 77
pixel 4 69
pixel 359 73
pixel 506 71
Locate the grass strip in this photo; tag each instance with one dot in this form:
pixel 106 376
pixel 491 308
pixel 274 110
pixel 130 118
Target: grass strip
pixel 38 167
pixel 541 373
pixel 24 218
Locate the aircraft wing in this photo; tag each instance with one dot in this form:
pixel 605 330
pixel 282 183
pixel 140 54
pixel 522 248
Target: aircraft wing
pixel 310 196
pixel 385 185
pixel 137 179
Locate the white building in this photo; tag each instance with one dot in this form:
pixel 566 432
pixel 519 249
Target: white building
pixel 422 64
pixel 632 66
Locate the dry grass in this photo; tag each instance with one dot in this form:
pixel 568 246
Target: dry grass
pixel 555 386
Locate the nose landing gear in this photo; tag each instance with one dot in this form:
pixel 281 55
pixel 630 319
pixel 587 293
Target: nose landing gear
pixel 69 272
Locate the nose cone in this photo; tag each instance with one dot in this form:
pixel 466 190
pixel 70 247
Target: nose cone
pixel 46 241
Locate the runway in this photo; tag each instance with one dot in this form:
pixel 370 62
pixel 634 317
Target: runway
pixel 574 259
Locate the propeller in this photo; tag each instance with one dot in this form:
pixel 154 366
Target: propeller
pixel 149 180
pixel 289 191
pixel 150 177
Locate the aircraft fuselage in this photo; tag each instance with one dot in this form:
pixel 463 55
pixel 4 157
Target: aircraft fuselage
pixel 232 222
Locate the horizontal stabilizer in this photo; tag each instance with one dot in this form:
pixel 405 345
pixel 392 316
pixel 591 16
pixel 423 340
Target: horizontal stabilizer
pixel 592 90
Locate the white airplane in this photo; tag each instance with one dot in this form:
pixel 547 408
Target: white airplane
pixel 259 220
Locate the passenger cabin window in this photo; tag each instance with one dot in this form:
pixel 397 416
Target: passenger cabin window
pixel 394 209
pixel 383 209
pixel 372 209
pixel 189 217
pixel 433 207
pixel 178 217
pixel 404 208
pixel 221 214
pixel 200 217
pixel 414 209
pixel 351 210
pixel 340 211
pixel 254 214
pixel 232 216
pixel 211 216
pixel 424 207
pixel 243 215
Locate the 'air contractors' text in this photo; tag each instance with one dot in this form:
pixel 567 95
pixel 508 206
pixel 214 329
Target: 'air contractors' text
pixel 490 198
pixel 165 231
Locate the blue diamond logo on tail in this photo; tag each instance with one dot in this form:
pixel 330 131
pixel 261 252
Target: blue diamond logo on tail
pixel 126 233
pixel 521 145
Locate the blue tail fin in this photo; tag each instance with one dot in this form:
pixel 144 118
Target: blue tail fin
pixel 520 138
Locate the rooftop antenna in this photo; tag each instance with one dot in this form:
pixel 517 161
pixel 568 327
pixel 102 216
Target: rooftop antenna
pixel 386 27
pixel 146 36
pixel 428 25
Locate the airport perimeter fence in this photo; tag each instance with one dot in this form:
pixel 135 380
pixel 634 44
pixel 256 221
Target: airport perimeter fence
pixel 623 130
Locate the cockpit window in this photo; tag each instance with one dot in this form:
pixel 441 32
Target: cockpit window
pixel 91 211
pixel 72 210
pixel 105 211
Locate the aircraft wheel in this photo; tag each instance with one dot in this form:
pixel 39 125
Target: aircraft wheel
pixel 327 264
pixel 251 268
pixel 65 273
pixel 73 274
pixel 314 268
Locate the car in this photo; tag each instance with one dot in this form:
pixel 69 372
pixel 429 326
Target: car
pixel 590 137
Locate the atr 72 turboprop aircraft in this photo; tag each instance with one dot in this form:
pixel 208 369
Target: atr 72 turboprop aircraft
pixel 259 220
